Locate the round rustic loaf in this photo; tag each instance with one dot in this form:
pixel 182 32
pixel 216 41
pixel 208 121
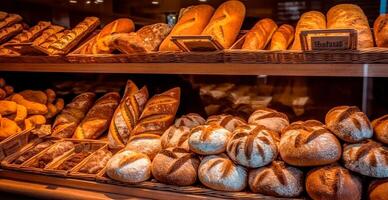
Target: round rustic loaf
pixel 176 137
pixel 252 146
pixel 175 166
pixel 309 143
pixel 190 120
pixel 349 124
pixel 218 172
pixel 209 139
pixel 276 179
pixel 269 118
pixel 378 190
pixel 380 127
pixel 129 166
pixel 368 158
pixel 227 121
pixel 148 144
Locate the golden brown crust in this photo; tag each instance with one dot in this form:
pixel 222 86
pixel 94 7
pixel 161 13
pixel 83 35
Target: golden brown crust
pixel 31 34
pixel 380 127
pixel 378 189
pixel 308 21
pixel 10 20
pixel 260 35
pixel 8 32
pixel 283 37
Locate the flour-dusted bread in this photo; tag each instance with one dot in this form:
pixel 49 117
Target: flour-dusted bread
pixel 309 143
pixel 378 189
pixel 252 146
pixel 333 182
pixel 276 179
pixel 226 22
pixel 148 144
pixel 269 118
pixel 227 121
pixel 209 139
pixel 351 16
pixel 380 127
pixel 176 137
pixel 218 172
pixel 175 166
pixel 190 120
pixel 282 38
pixel 308 21
pixel 260 35
pixel 349 124
pixel 368 158
pixel 129 167
pixel 192 22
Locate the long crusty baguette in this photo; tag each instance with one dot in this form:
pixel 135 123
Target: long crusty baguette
pixel 97 120
pixel 30 34
pixel 53 38
pixel 8 32
pixel 282 38
pixel 10 20
pixel 51 30
pixel 308 21
pixel 192 22
pixel 259 36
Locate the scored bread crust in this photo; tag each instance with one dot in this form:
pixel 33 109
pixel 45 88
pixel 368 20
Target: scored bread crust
pixel 209 139
pixel 380 127
pixel 229 122
pixel 176 137
pixel 282 38
pixel 269 118
pixel 260 35
pixel 148 144
pixel 190 120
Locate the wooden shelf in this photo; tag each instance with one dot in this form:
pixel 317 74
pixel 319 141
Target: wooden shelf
pixel 353 70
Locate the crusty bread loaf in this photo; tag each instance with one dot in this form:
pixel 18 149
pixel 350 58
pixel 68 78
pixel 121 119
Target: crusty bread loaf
pixel 96 162
pixel 252 146
pixel 333 182
pixel 351 16
pixel 308 21
pixel 97 120
pixel 229 122
pixel 349 123
pixel 282 38
pixel 269 118
pixel 380 127
pixel 300 139
pixel 31 34
pixel 226 22
pixel 276 179
pixel 148 144
pixel 378 189
pixel 8 32
pixel 192 22
pixel 218 172
pixel 8 127
pixel 51 30
pixel 260 35
pixel 209 139
pixel 175 166
pixel 176 137
pixel 190 120
pixel 380 30
pixel 53 38
pixel 159 113
pixel 129 167
pixel 369 158
pixel 10 19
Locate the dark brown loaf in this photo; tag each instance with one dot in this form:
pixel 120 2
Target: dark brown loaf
pixel 209 139
pixel 378 190
pixel 97 120
pixel 159 113
pixel 33 151
pixel 269 118
pixel 51 30
pixel 148 144
pixel 282 38
pixel 10 31
pixel 67 121
pixel 368 158
pixel 333 182
pixel 252 146
pixel 31 34
pixel 190 120
pixel 175 166
pixel 380 127
pixel 10 20
pixel 176 137
pixel 300 139
pixel 276 179
pixel 260 35
pixel 349 123
pixel 227 121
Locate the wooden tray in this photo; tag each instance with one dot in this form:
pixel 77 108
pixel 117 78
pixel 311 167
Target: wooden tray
pixel 15 142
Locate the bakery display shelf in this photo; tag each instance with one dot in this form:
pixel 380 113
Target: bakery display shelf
pixel 52 186
pixel 352 70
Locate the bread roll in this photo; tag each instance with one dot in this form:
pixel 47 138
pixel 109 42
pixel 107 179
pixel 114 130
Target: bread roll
pixel 252 146
pixel 209 139
pixel 378 190
pixel 380 127
pixel 229 122
pixel 129 167
pixel 121 25
pixel 351 16
pixel 282 38
pixel 333 182
pixel 192 22
pixel 260 35
pixel 175 166
pixel 190 120
pixel 308 21
pixel 218 172
pixel 148 144
pixel 270 119
pixel 176 137
pixel 300 139
pixel 368 158
pixel 349 123
pixel 276 179
pixel 226 22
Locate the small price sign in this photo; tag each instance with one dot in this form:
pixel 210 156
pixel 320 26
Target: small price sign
pixel 197 43
pixel 329 39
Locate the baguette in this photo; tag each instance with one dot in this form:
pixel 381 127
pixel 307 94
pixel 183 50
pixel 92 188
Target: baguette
pixel 51 30
pixel 226 22
pixel 8 32
pixel 282 38
pixel 192 22
pixel 260 35
pixel 308 21
pixel 30 34
pixel 11 19
pixel 53 38
pixel 97 120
